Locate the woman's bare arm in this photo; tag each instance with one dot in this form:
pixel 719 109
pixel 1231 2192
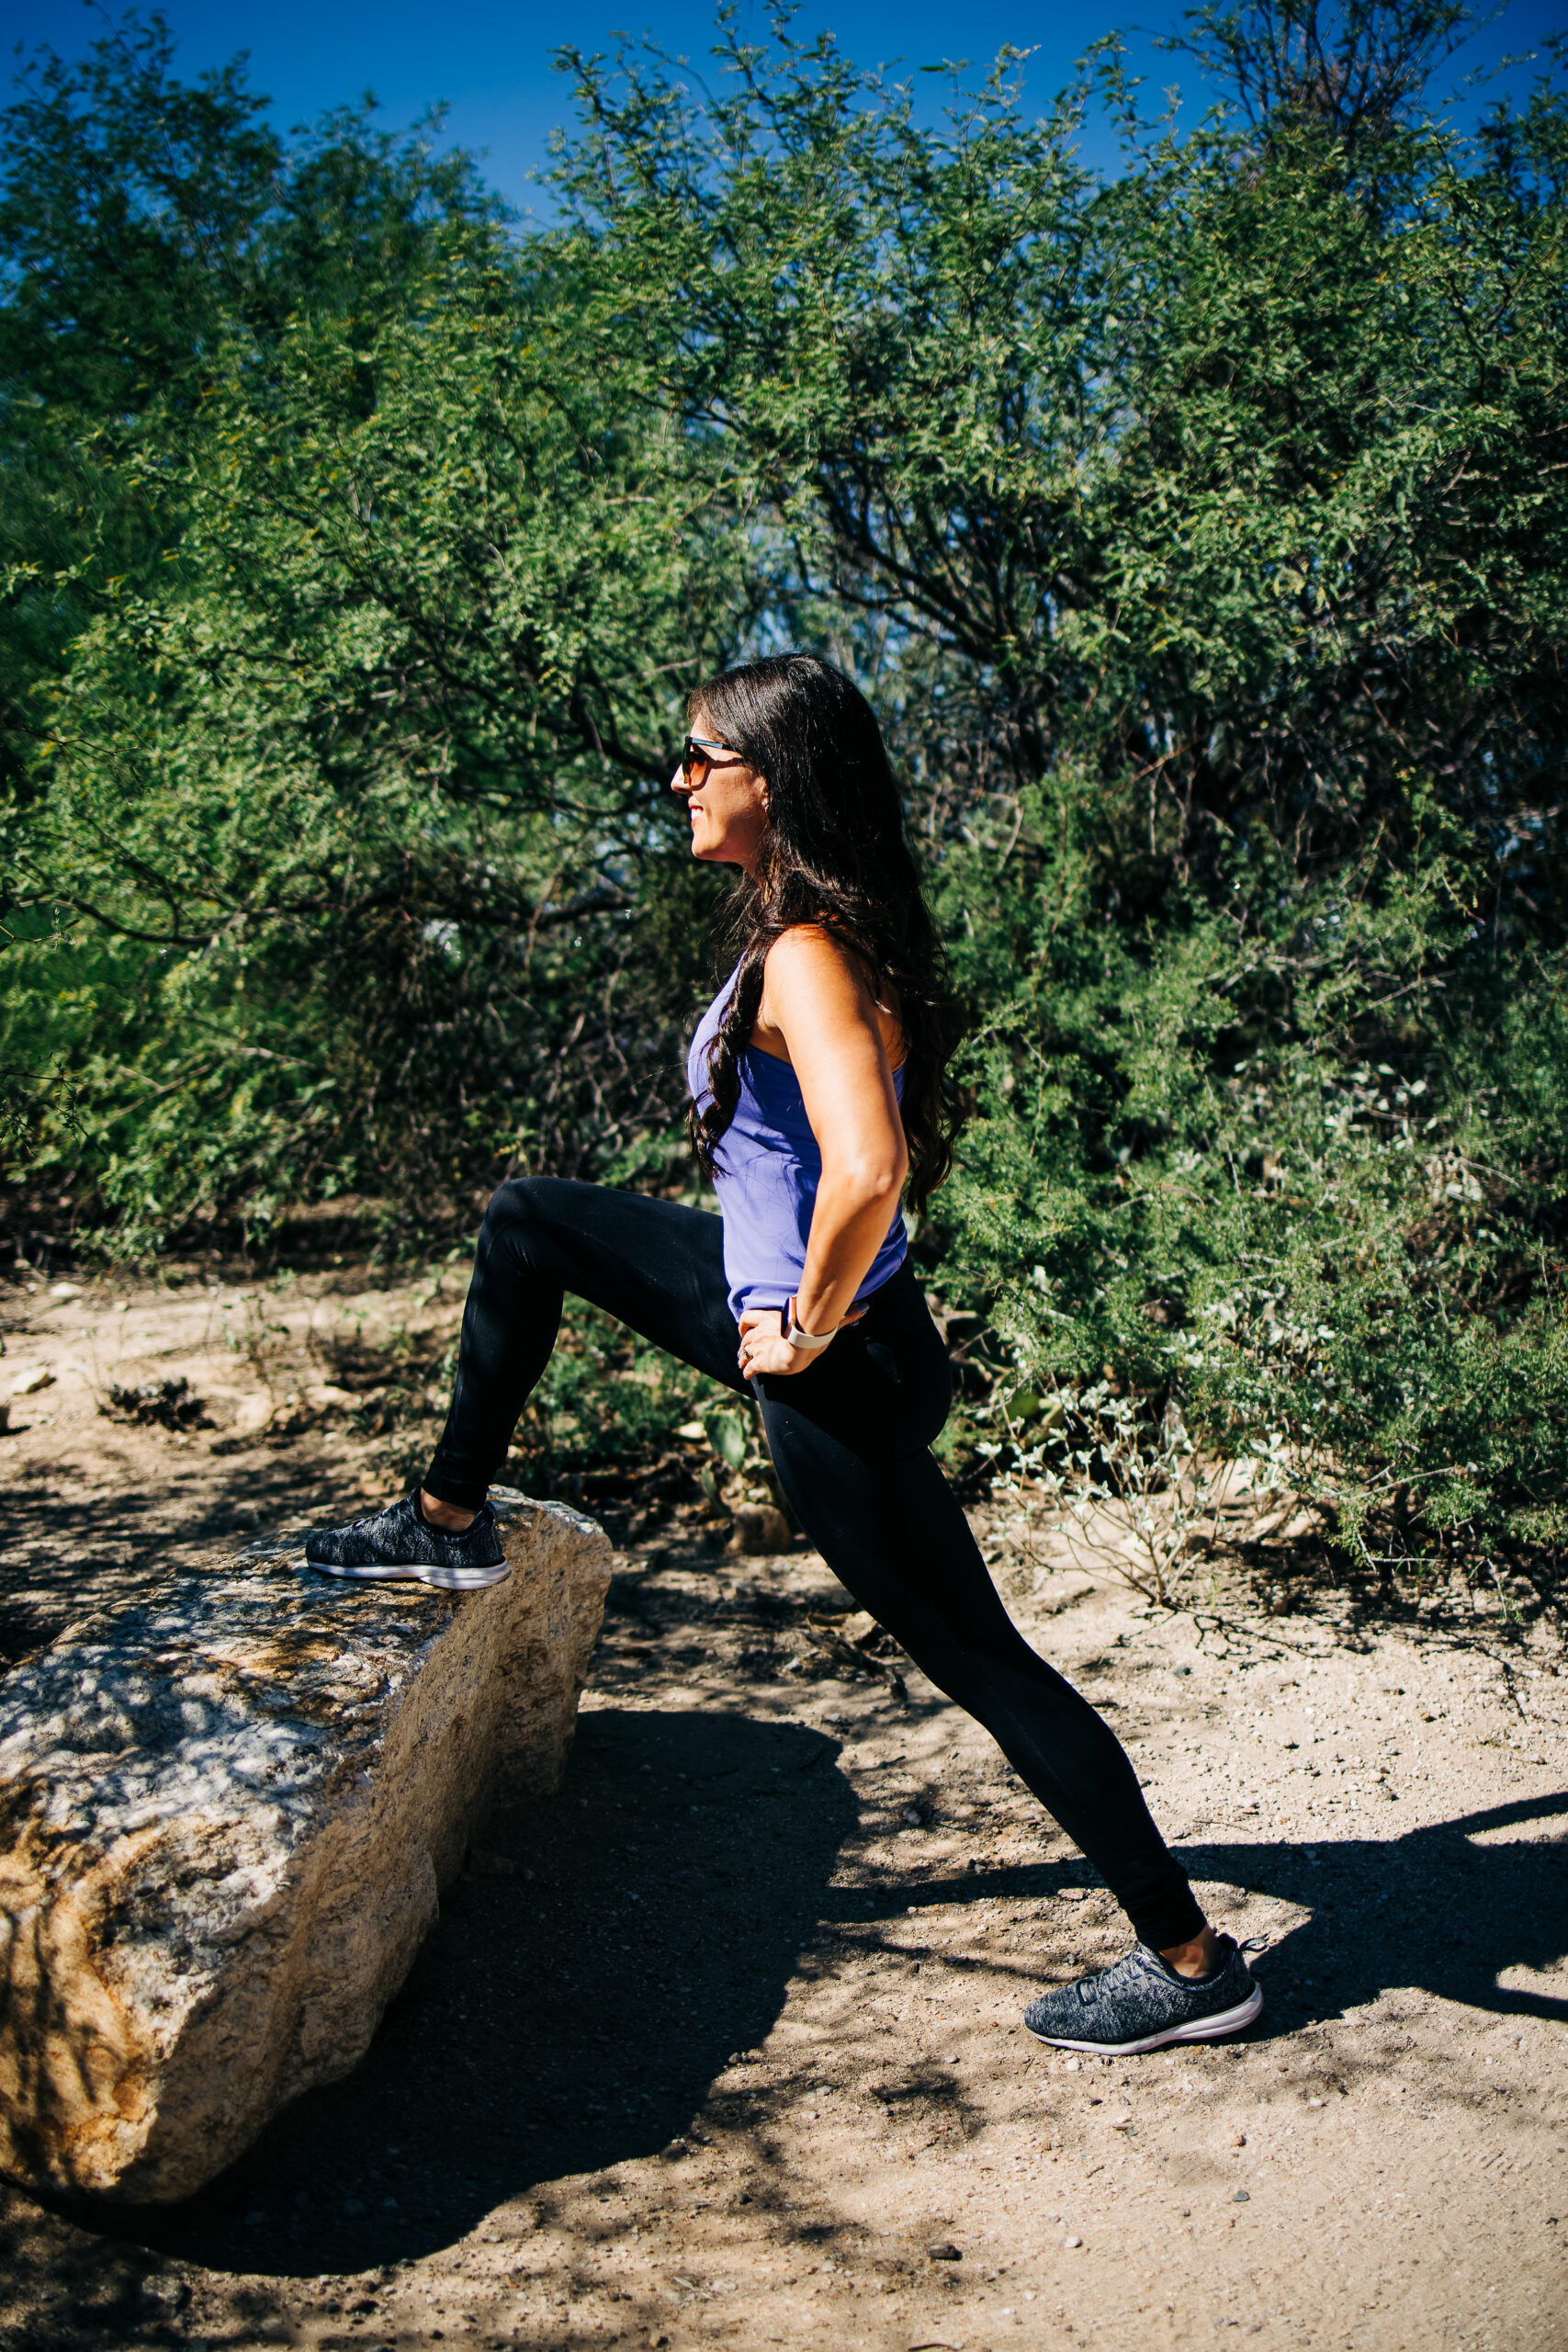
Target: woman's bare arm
pixel 816 1004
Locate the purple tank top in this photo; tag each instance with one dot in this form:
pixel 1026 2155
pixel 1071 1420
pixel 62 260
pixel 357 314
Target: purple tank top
pixel 768 1167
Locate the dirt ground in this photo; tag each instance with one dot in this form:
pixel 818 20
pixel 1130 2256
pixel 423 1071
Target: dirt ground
pixel 723 2045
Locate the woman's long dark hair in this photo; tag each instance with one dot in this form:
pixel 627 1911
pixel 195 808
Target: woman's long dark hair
pixel 834 853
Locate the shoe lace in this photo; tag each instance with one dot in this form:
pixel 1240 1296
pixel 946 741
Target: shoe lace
pixel 1121 1972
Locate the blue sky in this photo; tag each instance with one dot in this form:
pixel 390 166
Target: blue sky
pixel 490 60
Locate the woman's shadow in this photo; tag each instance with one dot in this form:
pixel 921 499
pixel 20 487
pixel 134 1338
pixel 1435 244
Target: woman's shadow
pixel 1433 1910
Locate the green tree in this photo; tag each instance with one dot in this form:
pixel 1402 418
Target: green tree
pixel 141 218
pixel 345 635
pixel 356 810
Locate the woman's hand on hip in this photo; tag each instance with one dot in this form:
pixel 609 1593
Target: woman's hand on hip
pixel 763 1346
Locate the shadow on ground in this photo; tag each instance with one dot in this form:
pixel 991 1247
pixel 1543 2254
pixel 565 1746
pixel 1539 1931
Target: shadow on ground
pixel 560 2023
pixel 557 2023
pixel 575 2013
pixel 1432 1911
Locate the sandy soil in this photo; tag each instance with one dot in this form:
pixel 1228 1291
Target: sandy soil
pixel 724 2046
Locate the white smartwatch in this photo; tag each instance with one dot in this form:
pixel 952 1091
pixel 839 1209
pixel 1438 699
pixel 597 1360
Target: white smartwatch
pixel 807 1342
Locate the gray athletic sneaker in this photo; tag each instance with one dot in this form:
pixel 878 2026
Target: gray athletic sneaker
pixel 1139 2003
pixel 399 1542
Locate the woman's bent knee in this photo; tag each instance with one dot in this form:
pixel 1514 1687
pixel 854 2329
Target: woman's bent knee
pixel 516 1209
pixel 552 1201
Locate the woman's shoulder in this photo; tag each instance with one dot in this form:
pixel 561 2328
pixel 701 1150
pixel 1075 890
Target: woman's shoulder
pixel 809 969
pixel 810 960
pixel 807 946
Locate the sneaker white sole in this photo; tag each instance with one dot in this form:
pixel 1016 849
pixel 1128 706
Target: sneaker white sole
pixel 1199 2029
pixel 444 1579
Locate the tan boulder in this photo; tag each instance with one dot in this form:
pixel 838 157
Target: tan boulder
pixel 226 1809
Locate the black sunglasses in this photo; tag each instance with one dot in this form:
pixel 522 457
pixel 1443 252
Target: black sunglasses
pixel 697 762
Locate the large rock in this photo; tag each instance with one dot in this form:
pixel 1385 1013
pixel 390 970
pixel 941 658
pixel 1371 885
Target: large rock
pixel 225 1811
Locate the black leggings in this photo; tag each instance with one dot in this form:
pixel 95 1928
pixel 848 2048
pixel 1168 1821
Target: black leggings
pixel 850 1436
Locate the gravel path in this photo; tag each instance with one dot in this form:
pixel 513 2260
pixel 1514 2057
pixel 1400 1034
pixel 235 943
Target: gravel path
pixel 723 2044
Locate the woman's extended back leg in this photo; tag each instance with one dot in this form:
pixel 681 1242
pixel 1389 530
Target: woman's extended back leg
pixel 893 1530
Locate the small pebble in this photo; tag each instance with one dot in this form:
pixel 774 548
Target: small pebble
pixel 1072 2241
pixel 1238 2139
pixel 945 2251
pixel 1241 2198
pixel 1314 2102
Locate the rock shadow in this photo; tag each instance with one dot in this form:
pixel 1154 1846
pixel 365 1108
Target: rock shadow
pixel 562 2017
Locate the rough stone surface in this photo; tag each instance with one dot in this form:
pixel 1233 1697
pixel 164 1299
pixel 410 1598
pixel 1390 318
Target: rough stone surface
pixel 226 1809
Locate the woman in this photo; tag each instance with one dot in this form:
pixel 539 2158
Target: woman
pixel 819 1091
